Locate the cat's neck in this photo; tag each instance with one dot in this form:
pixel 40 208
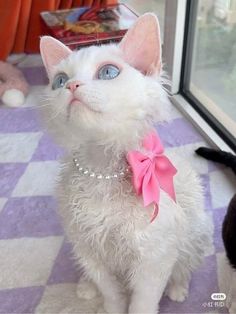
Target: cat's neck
pixel 100 158
pixel 101 153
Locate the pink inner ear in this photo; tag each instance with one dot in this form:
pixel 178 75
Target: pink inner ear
pixel 141 45
pixel 52 52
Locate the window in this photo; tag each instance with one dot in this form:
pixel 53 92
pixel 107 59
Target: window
pixel 141 7
pixel 209 79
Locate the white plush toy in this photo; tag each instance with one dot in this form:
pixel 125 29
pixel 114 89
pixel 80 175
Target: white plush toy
pixel 13 86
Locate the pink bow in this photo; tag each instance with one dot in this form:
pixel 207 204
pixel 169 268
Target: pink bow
pixel 152 172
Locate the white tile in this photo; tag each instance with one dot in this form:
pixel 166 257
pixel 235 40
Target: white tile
pixel 31 60
pixel 39 178
pixel 223 187
pixel 224 272
pixel 186 153
pixel 27 262
pixel 18 147
pixel 16 58
pixel 62 298
pixel 174 113
pixel 3 201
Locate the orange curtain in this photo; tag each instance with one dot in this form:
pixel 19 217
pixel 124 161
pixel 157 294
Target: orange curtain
pixel 20 24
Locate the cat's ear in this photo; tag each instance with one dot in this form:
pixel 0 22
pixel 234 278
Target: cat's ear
pixel 141 46
pixel 52 52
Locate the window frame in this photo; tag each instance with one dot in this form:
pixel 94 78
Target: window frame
pixel 185 76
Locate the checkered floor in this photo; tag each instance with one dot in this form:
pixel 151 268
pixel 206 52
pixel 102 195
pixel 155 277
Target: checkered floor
pixel 37 274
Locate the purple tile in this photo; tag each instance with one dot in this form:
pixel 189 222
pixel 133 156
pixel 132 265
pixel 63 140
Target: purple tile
pixel 178 132
pixel 35 75
pixel 47 150
pixel 65 270
pixel 203 284
pixel 14 120
pixel 20 300
pixel 218 218
pixel 29 217
pixel 9 176
pixel 207 191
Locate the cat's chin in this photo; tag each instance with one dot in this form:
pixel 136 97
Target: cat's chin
pixel 77 102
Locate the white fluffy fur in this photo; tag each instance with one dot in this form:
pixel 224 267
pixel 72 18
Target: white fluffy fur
pixel 129 259
pixel 13 98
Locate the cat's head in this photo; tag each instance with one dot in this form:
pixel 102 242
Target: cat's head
pixel 110 92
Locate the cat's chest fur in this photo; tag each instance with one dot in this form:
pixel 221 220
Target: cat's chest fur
pixel 107 220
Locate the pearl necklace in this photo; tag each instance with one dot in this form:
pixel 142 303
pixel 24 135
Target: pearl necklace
pixel 86 172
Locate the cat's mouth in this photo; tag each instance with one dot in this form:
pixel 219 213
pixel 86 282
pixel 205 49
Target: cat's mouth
pixel 78 102
pixel 75 101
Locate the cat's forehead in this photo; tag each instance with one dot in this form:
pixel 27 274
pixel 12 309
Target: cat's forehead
pixel 87 60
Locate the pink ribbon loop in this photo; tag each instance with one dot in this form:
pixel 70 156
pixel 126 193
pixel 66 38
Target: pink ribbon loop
pixel 152 172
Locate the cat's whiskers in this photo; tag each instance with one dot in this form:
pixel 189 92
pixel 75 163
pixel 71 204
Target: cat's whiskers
pixel 32 107
pixel 54 116
pixel 45 101
pixel 46 98
pixel 44 105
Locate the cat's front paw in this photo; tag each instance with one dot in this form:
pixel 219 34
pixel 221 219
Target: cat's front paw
pixel 115 306
pixel 177 293
pixel 101 310
pixel 86 290
pixel 143 308
pixel 66 310
pixel 232 308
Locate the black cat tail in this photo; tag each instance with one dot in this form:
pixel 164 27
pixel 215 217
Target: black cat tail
pixel 220 156
pixel 229 232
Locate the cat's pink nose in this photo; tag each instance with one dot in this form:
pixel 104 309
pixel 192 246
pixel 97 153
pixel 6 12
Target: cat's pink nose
pixel 72 86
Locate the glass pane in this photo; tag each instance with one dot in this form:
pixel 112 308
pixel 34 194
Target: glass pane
pixel 156 6
pixel 213 69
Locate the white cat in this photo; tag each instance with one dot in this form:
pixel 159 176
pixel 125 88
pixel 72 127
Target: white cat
pixel 102 101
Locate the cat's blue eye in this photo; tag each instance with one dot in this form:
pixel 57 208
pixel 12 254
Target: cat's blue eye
pixel 108 72
pixel 60 80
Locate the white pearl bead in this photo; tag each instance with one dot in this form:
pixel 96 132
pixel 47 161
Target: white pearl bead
pixel 99 176
pixel 74 181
